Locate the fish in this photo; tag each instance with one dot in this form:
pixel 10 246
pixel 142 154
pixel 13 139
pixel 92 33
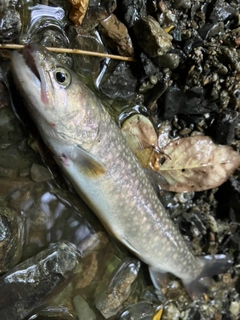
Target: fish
pixel 90 150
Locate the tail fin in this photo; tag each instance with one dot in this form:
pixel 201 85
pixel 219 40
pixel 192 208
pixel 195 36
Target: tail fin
pixel 212 265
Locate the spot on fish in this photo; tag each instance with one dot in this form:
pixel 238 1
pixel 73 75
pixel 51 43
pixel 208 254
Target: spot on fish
pixel 64 159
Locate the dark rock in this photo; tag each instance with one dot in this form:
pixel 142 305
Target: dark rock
pixel 195 102
pixel 192 43
pixel 172 101
pixel 148 65
pixel 110 6
pixel 84 64
pixel 118 82
pixel 154 94
pixel 192 314
pixel 182 56
pixel 132 10
pixel 10 25
pixel 231 56
pixel 222 11
pixel 211 29
pixel 190 102
pixel 228 197
pixel 176 34
pixel 27 284
pixel 181 4
pixel 222 129
pixel 194 220
pixel 11 238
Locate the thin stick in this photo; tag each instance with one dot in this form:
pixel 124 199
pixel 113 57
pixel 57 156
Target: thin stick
pixel 73 51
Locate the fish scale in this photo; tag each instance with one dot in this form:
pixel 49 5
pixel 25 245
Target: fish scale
pixel 91 151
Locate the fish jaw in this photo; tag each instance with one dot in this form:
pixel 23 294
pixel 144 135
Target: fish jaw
pixel 25 77
pixel 31 80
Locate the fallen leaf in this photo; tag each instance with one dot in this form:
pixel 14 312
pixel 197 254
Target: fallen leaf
pixel 78 11
pixel 140 135
pixel 196 164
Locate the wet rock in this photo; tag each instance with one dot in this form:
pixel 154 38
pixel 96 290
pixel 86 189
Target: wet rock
pixel 108 301
pixel 132 11
pixel 222 10
pixel 38 18
pixel 110 6
pixel 82 309
pixel 222 129
pixel 190 102
pixel 211 29
pixel 52 217
pixel 181 4
pixel 95 13
pixel 27 285
pixel 90 267
pixel 154 94
pixel 153 40
pixel 4 98
pixel 16 160
pixel 118 81
pixel 234 308
pixel 169 60
pixel 54 313
pixel 191 314
pixel 8 173
pixel 228 197
pixel 170 312
pixel 192 43
pixel 10 25
pixel 195 221
pixel 116 36
pixel 231 55
pixel 40 173
pixel 149 67
pixel 84 64
pixel 12 233
pixel 51 38
pixel 6 115
pixel 139 311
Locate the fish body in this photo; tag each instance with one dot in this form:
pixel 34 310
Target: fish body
pixel 90 149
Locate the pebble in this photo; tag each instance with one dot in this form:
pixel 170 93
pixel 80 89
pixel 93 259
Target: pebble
pixel 40 173
pixel 84 312
pixel 153 40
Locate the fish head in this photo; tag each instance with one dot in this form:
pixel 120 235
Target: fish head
pixel 55 97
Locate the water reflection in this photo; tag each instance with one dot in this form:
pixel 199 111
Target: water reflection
pixel 38 18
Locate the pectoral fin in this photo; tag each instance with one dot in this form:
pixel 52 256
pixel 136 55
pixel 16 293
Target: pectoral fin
pixel 159 279
pixel 84 161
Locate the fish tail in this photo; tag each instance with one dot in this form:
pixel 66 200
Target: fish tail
pixel 212 265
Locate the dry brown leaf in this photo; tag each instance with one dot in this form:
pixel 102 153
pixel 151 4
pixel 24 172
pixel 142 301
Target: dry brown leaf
pixel 78 11
pixel 196 164
pixel 139 133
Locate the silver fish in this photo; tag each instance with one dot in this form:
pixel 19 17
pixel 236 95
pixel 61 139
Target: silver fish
pixel 91 151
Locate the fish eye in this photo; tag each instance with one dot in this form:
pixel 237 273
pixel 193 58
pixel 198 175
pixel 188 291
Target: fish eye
pixel 62 76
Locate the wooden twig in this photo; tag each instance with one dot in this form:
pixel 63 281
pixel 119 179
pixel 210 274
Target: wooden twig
pixel 72 51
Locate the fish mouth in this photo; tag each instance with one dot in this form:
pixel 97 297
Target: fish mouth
pixel 28 56
pixel 33 56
